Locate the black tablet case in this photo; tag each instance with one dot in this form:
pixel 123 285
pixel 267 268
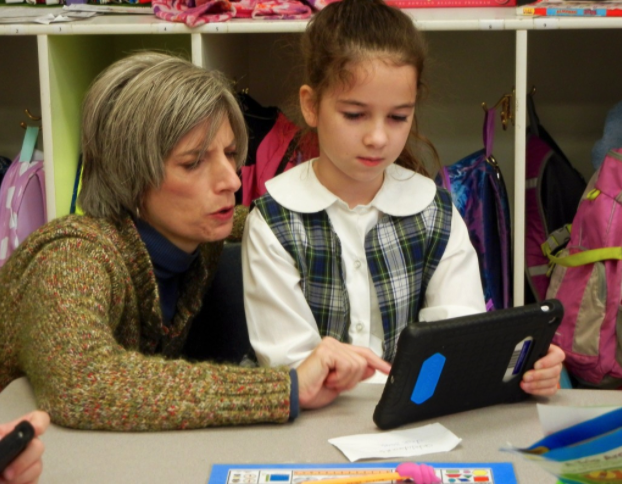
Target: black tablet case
pixel 477 350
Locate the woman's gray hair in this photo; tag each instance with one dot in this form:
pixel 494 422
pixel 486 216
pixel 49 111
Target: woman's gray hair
pixel 134 114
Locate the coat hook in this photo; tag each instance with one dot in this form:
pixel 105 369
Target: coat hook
pixel 31 116
pixel 507 114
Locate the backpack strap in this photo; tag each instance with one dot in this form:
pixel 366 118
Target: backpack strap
pixel 556 240
pixel 534 121
pixel 293 144
pixel 587 257
pixel 29 144
pixel 561 236
pixel 489 131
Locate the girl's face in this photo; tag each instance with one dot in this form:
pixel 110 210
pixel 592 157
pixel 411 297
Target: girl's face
pixel 195 202
pixel 362 129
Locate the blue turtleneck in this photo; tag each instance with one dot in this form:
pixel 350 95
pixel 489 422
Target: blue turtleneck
pixel 170 263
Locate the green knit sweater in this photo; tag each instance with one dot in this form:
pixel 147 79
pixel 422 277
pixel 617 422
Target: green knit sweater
pixel 80 316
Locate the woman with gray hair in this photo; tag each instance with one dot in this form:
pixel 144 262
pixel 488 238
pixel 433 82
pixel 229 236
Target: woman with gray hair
pixel 96 308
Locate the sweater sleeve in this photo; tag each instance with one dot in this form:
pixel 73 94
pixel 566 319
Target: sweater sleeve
pixel 72 302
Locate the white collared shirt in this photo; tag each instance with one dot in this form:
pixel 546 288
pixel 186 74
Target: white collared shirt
pixel 281 326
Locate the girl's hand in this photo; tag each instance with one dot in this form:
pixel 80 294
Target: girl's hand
pixel 26 468
pixel 544 378
pixel 332 368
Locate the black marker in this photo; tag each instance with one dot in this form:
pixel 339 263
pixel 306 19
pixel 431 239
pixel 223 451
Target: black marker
pixel 13 443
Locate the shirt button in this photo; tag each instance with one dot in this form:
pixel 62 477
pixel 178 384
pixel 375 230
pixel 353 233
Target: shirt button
pixel 359 327
pixel 357 264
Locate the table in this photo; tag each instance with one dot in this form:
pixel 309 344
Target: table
pixel 92 457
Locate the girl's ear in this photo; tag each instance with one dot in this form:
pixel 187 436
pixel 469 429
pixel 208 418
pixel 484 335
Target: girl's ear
pixel 307 105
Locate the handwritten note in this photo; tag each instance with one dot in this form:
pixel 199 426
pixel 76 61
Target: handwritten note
pixel 398 443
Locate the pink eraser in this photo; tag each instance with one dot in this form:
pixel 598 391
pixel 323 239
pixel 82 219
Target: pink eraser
pixel 419 473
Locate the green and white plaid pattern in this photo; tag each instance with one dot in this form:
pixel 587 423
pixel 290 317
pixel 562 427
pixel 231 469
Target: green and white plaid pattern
pixel 402 254
pixel 314 246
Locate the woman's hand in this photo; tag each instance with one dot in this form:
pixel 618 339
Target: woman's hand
pixel 332 368
pixel 27 467
pixel 544 378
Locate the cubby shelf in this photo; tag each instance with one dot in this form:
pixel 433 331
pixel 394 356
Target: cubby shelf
pixel 477 54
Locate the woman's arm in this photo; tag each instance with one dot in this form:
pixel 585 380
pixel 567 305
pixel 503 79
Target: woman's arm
pixel 75 301
pixel 281 326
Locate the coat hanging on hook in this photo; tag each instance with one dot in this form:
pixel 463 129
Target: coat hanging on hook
pixel 553 189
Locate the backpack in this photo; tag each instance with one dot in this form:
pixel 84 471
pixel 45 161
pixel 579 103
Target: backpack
pixel 587 279
pixel 22 203
pixel 275 145
pixel 478 192
pixel 4 166
pixel 553 189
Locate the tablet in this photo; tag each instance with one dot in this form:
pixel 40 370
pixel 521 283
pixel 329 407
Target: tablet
pixel 463 363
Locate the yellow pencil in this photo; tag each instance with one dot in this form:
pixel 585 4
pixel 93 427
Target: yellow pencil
pixel 418 473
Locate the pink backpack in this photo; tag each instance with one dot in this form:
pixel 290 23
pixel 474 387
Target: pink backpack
pixel 22 203
pixel 553 189
pixel 587 279
pixel 275 145
pixel 282 148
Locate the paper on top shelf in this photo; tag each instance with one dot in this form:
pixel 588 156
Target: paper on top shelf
pixel 22 15
pixel 124 9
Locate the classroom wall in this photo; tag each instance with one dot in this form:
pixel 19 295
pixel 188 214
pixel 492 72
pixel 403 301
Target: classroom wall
pixel 18 67
pixel 576 74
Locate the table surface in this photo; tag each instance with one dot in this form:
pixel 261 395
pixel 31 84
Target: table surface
pixel 79 456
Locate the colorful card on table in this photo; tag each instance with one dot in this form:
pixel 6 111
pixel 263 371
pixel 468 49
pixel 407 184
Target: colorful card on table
pixel 588 452
pixel 449 473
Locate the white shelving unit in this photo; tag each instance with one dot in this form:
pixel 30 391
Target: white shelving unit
pixel 476 55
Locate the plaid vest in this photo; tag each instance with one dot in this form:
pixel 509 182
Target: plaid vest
pixel 402 254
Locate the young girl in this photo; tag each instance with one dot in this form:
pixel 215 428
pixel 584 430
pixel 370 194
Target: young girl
pixel 360 241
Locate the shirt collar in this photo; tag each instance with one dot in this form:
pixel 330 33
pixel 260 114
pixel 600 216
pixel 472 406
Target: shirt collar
pixel 403 192
pixel 168 259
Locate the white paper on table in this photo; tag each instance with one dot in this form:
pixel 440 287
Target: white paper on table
pixel 557 417
pixel 397 443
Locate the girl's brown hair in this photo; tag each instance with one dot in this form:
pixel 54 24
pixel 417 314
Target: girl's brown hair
pixel 347 32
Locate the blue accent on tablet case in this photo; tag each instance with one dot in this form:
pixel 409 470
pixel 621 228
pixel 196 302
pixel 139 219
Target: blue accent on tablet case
pixel 428 378
pixel 521 358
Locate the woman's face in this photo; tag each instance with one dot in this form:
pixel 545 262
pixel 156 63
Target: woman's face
pixel 195 202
